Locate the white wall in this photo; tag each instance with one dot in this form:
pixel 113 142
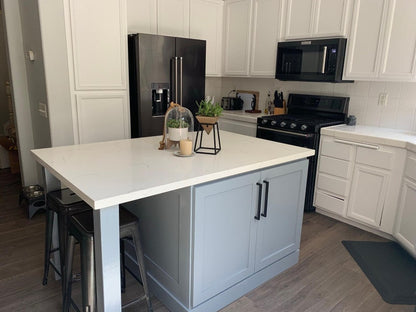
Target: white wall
pixel 399 113
pixel 20 91
pixel 4 76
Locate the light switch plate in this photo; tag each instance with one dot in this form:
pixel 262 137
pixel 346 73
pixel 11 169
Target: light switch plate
pixel 43 110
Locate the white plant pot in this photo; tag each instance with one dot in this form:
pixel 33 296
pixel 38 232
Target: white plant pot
pixel 177 134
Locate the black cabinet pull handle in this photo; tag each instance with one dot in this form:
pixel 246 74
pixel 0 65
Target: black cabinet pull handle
pixel 257 216
pixel 266 198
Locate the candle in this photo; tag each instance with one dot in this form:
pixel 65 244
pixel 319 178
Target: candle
pixel 185 147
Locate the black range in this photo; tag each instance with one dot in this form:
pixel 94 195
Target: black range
pixel 306 115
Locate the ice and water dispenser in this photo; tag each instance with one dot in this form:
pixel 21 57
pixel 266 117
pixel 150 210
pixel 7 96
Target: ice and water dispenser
pixel 160 98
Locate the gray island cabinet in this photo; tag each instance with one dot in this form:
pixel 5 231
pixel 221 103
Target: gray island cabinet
pixel 209 244
pixel 204 248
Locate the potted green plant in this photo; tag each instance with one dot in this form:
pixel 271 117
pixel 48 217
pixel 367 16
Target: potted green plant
pixel 208 114
pixel 177 129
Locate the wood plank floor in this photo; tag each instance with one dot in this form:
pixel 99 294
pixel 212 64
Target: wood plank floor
pixel 325 279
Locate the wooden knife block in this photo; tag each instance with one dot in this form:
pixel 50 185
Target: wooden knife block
pixel 280 110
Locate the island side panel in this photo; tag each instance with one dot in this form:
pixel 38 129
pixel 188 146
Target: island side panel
pixel 165 225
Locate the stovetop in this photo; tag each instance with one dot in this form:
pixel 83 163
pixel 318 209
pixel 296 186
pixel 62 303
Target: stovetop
pixel 297 123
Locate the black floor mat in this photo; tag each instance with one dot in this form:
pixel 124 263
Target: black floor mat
pixel 390 269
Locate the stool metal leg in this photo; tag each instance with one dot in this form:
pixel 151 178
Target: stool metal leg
pixel 122 267
pixel 67 282
pixel 48 243
pixel 140 261
pixel 88 274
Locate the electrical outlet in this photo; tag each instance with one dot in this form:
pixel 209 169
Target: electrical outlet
pixel 42 109
pixel 382 99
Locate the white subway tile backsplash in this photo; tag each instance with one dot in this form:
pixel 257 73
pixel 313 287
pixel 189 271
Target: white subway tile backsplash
pixel 399 113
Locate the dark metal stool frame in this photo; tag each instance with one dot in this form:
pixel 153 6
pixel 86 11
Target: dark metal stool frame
pixel 64 203
pixel 81 228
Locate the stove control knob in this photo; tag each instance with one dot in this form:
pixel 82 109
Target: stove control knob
pixel 273 123
pixel 282 124
pixel 264 121
pixel 293 125
pixel 303 127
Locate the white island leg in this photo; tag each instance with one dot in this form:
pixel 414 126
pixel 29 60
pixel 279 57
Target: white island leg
pixel 107 259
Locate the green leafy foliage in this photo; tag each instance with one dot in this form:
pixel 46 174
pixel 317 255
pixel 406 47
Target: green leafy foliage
pixel 177 123
pixel 208 108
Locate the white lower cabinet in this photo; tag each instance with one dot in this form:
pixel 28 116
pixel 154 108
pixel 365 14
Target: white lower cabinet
pixel 359 181
pixel 405 229
pixel 208 245
pixel 101 116
pixel 236 126
pixel 369 186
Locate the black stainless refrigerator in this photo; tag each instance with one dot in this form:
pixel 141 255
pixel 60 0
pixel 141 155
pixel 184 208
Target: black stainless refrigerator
pixel 163 69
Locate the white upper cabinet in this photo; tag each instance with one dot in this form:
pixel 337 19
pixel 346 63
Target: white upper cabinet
pixel 252 29
pixel 316 18
pixel 331 18
pixel 206 23
pixel 141 16
pixel 266 22
pixel 173 18
pixel 98 44
pixel 237 37
pixel 398 62
pixel 382 43
pixel 364 45
pixel 299 15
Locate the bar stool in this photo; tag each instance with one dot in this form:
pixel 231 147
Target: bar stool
pixel 81 228
pixel 65 203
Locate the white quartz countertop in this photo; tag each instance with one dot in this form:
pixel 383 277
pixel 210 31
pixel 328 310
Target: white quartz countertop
pixel 110 173
pixel 241 115
pixel 375 135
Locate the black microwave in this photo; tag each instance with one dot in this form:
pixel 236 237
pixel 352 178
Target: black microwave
pixel 311 60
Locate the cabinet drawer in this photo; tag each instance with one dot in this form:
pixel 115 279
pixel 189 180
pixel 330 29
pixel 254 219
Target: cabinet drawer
pixel 335 167
pixel 335 149
pixel 330 203
pixel 410 170
pixel 332 184
pixel 375 158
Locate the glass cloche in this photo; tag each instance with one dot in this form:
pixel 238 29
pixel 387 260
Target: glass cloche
pixel 179 125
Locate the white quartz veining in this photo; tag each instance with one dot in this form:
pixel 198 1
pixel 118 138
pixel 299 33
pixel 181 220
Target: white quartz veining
pixel 376 135
pixel 241 115
pixel 110 173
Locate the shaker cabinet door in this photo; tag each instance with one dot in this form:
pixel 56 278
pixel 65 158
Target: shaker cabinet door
pixel 405 231
pixel 279 230
pixel 399 47
pixel 331 18
pixel 141 16
pixel 98 42
pixel 206 23
pixel 368 193
pixel 299 18
pixel 237 37
pixel 224 234
pixel 365 40
pixel 173 18
pixel 265 36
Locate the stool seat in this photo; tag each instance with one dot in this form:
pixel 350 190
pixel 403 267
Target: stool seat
pixel 64 203
pixel 85 220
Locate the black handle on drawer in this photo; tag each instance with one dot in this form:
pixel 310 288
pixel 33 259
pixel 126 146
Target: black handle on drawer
pixel 266 198
pixel 257 216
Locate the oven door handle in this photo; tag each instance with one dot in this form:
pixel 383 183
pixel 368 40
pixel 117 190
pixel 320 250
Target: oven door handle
pixel 287 132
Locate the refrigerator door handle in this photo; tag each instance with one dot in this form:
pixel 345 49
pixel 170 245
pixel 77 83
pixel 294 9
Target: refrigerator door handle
pixel 172 79
pixel 181 80
pixel 176 80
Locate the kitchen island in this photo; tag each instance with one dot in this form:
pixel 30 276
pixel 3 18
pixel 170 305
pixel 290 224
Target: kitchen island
pixel 243 206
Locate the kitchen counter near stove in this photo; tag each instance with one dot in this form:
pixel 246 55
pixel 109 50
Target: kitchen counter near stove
pixel 367 177
pixel 238 121
pixel 241 115
pixel 375 135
